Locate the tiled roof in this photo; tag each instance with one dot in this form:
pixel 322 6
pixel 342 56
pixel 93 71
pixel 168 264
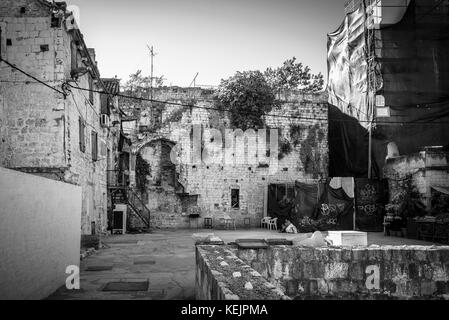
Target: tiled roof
pixel 112 85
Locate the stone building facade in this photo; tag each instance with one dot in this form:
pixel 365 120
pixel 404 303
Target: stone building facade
pixel 189 168
pixel 48 133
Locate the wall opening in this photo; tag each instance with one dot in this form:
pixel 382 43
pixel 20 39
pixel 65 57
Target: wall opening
pixel 235 198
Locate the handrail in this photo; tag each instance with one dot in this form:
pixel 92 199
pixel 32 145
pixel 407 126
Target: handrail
pixel 132 196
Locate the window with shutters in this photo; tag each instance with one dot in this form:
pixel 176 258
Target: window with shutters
pixel 94 143
pixel 91 87
pixel 82 130
pixel 74 56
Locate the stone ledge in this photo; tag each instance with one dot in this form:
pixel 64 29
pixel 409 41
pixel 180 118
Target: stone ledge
pixel 221 275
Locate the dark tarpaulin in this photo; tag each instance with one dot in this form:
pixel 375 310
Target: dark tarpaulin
pixel 278 206
pixel 341 208
pixel 307 200
pixel 370 198
pixel 348 147
pixel 412 75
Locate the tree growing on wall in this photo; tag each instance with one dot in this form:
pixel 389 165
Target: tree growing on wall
pixel 137 82
pixel 248 97
pixel 293 75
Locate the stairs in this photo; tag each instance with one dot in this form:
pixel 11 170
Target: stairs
pixel 129 197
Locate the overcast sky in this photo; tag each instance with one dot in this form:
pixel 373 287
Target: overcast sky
pixel 213 37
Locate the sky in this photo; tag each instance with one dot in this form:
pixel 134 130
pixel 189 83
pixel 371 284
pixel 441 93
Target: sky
pixel 214 38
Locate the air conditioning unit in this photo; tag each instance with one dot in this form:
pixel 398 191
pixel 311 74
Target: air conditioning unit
pixel 104 120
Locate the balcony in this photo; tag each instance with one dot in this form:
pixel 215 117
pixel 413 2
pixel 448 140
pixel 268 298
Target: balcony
pixel 117 179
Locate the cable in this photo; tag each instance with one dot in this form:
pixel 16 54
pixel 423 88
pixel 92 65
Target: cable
pixel 32 77
pixel 274 116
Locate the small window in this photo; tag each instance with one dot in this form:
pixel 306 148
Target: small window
pixel 82 129
pixel 94 146
pixel 91 87
pixel 8 42
pixel 44 48
pixel 235 198
pixel 74 56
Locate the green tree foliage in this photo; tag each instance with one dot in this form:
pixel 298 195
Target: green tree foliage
pixel 248 96
pixel 294 75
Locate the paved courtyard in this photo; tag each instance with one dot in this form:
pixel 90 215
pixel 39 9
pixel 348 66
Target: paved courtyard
pixel 164 259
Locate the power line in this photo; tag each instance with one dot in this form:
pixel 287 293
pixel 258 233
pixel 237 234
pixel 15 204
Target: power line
pixel 274 115
pixel 32 77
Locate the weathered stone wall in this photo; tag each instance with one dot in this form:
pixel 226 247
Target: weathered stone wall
pixel 220 275
pixel 374 272
pixel 213 179
pixel 427 169
pixel 39 128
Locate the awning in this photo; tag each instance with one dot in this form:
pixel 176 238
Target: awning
pixel 444 190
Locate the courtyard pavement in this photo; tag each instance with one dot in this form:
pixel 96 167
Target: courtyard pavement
pixel 164 259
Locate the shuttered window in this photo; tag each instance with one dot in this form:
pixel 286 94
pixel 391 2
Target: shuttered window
pixel 94 143
pixel 82 137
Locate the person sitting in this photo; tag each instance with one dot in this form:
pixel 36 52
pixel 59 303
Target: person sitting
pixel 288 227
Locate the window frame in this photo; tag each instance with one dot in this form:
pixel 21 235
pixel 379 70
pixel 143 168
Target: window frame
pixel 94 145
pixel 235 205
pixel 82 134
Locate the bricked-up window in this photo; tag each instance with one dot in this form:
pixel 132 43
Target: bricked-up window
pixel 82 137
pixel 235 198
pixel 94 143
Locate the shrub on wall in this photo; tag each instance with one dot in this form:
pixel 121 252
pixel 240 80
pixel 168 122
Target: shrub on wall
pixel 248 97
pixel 142 171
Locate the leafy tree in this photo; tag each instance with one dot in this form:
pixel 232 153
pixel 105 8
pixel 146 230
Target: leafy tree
pixel 137 82
pixel 294 75
pixel 248 97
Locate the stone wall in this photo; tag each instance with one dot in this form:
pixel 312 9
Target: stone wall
pixel 220 275
pixel 39 234
pixel 374 272
pixel 225 169
pixel 426 169
pixel 39 127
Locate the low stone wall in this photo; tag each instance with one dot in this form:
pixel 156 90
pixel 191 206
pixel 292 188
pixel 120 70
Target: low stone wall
pixel 374 272
pixel 221 275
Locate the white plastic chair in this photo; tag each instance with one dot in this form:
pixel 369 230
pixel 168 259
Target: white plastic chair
pixel 273 224
pixel 264 222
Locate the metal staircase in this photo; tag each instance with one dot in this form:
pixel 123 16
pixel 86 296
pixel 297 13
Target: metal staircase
pixel 121 193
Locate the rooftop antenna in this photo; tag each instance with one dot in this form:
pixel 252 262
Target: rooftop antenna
pixel 152 54
pixel 193 81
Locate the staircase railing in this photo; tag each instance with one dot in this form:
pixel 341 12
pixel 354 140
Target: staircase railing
pixel 139 207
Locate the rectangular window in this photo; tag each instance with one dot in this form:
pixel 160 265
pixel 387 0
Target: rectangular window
pixel 235 198
pixel 94 146
pixel 91 87
pixel 74 56
pixel 82 129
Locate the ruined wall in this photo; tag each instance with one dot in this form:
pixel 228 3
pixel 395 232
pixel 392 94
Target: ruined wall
pixel 374 272
pixel 213 179
pixel 39 127
pixel 426 169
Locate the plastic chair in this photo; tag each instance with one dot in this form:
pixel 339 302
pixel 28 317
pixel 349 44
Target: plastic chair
pixel 273 224
pixel 264 222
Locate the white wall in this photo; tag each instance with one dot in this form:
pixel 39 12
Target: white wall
pixel 39 234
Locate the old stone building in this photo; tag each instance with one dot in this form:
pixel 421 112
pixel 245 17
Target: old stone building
pixel 69 134
pixel 183 164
